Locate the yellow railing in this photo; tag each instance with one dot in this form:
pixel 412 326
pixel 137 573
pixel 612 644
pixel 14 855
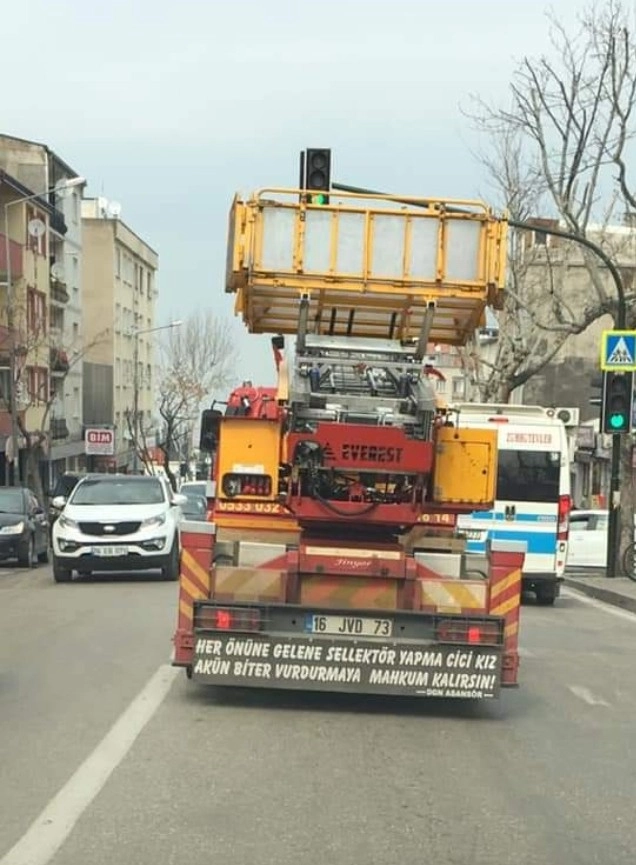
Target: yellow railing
pixel 370 266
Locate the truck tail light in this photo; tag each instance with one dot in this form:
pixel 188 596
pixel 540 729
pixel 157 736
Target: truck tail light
pixel 227 619
pixel 483 633
pixel 565 505
pixel 246 485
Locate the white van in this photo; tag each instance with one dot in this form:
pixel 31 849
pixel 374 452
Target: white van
pixel 533 491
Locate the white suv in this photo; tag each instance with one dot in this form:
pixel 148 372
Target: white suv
pixel 118 523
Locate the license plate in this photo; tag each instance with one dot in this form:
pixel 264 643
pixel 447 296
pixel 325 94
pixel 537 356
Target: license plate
pixel 107 552
pixel 474 535
pixel 354 626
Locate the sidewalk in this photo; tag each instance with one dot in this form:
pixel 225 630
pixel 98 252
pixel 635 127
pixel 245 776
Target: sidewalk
pixel 619 591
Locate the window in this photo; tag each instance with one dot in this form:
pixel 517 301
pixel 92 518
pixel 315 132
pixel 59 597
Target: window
pixel 5 384
pixel 140 491
pixel 528 476
pixel 36 311
pixel 440 385
pixel 37 383
pixel 580 522
pixel 118 263
pixel 459 387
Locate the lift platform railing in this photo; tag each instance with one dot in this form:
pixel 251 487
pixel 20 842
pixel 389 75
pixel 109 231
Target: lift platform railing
pixel 370 266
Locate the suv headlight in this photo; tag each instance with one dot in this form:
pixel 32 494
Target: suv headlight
pixel 67 522
pixel 159 520
pixel 16 529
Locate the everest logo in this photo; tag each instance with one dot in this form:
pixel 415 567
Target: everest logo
pixel 328 452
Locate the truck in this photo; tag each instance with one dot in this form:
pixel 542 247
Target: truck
pixel 331 559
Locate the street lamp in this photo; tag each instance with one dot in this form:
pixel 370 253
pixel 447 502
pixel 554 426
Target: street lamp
pixel 70 183
pixel 136 334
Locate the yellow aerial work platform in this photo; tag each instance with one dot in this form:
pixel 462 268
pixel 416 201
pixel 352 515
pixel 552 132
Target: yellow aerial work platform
pixel 371 266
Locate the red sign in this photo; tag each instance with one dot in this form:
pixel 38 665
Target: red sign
pixel 99 442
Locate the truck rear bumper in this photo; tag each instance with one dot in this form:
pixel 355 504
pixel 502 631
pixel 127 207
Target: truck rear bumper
pixel 425 655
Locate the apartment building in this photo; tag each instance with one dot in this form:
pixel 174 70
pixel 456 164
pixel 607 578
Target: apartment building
pixel 45 235
pixel 119 281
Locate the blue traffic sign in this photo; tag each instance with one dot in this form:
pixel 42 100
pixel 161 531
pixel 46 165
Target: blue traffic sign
pixel 618 351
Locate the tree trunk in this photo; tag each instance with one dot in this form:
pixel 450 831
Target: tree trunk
pixel 33 479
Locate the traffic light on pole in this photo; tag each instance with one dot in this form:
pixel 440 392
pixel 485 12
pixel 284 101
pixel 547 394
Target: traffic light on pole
pixel 618 402
pixel 318 175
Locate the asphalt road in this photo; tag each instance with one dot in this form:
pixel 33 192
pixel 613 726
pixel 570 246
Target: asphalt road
pixel 544 775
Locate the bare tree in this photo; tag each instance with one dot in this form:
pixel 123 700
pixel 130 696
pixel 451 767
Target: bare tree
pixel 555 150
pixel 569 124
pixel 36 355
pixel 195 360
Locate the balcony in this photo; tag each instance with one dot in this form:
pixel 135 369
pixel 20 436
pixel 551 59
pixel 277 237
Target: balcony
pixel 59 429
pixel 15 258
pixel 59 291
pixel 58 361
pixel 57 223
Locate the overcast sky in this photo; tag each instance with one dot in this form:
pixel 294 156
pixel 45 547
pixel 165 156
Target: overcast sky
pixel 171 106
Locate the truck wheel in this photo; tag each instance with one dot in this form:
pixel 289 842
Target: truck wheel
pixel 60 574
pixel 546 595
pixel 171 570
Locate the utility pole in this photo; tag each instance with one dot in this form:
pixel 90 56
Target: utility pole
pixel 136 402
pixel 15 450
pixel 135 333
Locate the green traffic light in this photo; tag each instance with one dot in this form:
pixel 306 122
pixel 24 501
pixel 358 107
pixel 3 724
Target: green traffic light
pixel 617 421
pixel 319 199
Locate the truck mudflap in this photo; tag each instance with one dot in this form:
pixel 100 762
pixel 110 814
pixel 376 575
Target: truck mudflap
pixel 252 646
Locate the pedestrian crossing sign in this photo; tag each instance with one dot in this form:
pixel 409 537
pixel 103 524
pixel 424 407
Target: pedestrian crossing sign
pixel 618 351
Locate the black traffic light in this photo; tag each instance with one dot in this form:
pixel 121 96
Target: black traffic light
pixel 618 402
pixel 318 174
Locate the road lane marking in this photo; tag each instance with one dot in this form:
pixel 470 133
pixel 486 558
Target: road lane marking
pixel 48 832
pixel 587 696
pixel 618 612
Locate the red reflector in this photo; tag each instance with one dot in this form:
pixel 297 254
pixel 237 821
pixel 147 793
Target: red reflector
pixel 223 620
pixel 227 619
pixel 498 419
pixel 486 633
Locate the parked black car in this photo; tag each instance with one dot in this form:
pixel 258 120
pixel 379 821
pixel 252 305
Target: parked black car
pixel 24 528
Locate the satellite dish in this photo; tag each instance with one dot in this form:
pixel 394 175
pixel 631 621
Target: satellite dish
pixel 36 227
pixel 57 272
pixel 114 209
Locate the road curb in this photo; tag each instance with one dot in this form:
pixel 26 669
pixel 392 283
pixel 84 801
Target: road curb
pixel 600 593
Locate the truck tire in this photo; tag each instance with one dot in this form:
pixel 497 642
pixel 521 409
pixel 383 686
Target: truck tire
pixel 60 574
pixel 171 570
pixel 546 594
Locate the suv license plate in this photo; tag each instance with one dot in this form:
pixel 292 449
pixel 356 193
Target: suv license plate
pixel 107 552
pixel 355 626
